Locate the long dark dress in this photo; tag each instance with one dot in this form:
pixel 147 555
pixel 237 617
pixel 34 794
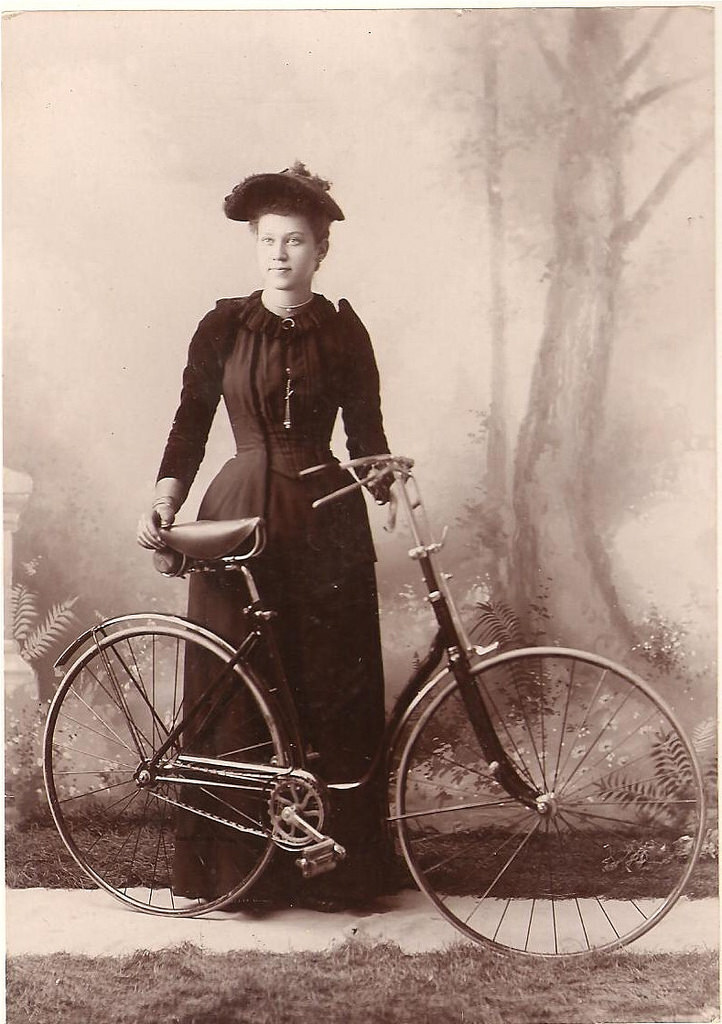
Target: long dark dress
pixel 317 571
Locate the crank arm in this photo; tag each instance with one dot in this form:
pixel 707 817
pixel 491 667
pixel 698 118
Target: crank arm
pixel 290 816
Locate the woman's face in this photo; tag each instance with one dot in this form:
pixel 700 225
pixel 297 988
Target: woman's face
pixel 287 252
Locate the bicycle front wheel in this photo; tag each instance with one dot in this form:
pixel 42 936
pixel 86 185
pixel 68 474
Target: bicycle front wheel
pixel 145 842
pixel 617 820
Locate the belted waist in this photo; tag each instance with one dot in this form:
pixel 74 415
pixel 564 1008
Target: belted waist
pixel 285 454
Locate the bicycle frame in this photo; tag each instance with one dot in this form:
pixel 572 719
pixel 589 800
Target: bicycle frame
pixel 451 640
pixel 523 781
pixel 199 770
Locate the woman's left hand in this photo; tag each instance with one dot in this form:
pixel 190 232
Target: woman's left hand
pixel 379 484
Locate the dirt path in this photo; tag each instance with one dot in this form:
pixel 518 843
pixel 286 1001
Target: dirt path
pixel 91 922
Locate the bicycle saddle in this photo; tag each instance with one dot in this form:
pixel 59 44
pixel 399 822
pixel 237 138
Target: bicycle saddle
pixel 208 538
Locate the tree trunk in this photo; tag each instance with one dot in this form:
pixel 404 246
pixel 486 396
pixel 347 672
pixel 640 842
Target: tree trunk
pixel 560 566
pixel 497 510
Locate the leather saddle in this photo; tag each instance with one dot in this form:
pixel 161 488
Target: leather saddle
pixel 208 538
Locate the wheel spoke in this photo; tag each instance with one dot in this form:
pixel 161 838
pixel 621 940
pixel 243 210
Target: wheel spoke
pixel 440 788
pixel 431 811
pixel 112 695
pixel 567 705
pixel 570 876
pixel 583 725
pixel 512 857
pixel 80 752
pixel 158 845
pixel 110 733
pixel 500 720
pixel 606 754
pixel 93 792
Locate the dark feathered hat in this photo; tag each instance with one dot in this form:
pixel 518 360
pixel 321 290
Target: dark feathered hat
pixel 296 185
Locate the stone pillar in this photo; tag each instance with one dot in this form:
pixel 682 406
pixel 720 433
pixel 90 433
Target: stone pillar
pixel 17 488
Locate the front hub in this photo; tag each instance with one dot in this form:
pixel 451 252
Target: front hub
pixel 547 805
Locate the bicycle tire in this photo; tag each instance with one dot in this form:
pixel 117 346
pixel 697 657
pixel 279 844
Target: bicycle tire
pixel 114 706
pixel 619 819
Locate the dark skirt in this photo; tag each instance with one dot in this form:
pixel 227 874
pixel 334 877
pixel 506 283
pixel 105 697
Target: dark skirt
pixel 328 636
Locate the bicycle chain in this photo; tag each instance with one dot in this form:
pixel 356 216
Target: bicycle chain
pixel 210 816
pixel 278 831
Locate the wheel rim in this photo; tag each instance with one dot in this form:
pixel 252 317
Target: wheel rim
pixel 128 830
pixel 616 829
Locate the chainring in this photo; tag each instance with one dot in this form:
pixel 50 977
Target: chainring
pixel 308 799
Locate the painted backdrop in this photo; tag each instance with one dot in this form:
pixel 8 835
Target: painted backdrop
pixel 446 135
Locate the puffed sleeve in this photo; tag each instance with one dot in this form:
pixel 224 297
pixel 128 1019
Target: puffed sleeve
pixel 200 394
pixel 360 396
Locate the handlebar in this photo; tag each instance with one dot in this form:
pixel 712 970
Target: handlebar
pixel 425 547
pixel 370 469
pixel 379 466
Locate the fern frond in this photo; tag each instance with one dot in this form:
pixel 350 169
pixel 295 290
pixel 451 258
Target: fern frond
pixel 671 761
pixel 43 638
pixel 704 736
pixel 623 790
pixel 511 623
pixel 24 608
pixel 497 623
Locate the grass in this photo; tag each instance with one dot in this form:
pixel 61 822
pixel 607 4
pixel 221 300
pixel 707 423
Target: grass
pixel 359 983
pixel 353 984
pixel 588 864
pixel 36 856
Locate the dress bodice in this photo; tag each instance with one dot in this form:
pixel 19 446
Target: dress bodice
pixel 283 386
pixel 281 392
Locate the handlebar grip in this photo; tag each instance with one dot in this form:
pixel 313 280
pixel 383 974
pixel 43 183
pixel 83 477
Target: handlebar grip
pixel 379 466
pixel 316 469
pixel 337 494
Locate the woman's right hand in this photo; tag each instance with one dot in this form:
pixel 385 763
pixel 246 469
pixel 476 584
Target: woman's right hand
pixel 161 515
pixel 169 496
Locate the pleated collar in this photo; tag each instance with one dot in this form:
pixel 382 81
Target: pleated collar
pixel 254 315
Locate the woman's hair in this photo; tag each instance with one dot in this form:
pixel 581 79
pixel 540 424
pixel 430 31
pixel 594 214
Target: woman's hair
pixel 319 221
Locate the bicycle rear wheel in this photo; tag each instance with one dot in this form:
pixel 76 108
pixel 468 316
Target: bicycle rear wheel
pixel 619 815
pixel 115 706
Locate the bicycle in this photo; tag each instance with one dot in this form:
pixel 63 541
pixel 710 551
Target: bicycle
pixel 546 800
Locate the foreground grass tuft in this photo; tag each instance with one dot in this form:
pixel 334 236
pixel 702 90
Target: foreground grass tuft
pixel 358 983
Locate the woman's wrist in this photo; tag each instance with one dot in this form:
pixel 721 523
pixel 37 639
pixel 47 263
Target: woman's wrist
pixel 166 501
pixel 169 493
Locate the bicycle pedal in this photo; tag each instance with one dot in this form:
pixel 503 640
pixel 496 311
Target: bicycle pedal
pixel 319 858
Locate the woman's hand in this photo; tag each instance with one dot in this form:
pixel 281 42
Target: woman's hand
pixel 169 495
pixel 379 482
pixel 150 523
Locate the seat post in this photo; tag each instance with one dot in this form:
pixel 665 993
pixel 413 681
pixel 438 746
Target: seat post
pixel 251 584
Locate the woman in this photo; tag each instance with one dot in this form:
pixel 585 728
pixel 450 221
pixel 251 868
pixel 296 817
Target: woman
pixel 285 361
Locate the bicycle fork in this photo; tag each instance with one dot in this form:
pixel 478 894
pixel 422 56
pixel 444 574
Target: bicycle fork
pixel 457 646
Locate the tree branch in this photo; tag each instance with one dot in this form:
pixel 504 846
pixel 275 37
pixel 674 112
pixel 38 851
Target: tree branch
pixel 631 228
pixel 643 99
pixel 639 56
pixel 554 63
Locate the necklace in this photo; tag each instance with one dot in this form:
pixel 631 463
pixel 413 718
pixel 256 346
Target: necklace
pixel 298 305
pixel 286 309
